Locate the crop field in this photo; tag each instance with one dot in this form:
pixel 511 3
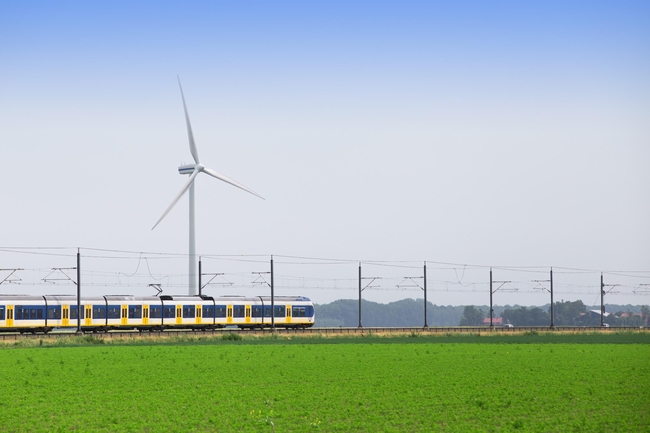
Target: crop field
pixel 370 384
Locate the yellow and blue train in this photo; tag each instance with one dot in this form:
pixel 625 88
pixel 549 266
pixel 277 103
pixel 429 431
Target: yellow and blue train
pixel 22 313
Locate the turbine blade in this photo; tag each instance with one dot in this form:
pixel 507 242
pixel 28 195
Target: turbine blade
pixel 190 135
pixel 230 181
pixel 180 194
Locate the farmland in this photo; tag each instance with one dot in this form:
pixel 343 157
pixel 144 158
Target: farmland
pixel 373 384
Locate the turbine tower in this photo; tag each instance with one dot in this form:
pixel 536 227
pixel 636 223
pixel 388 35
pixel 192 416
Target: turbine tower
pixel 193 170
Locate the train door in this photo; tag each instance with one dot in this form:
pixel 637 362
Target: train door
pixel 248 314
pixel 179 314
pixel 65 315
pixel 199 313
pixel 288 313
pixel 10 316
pixel 125 314
pixel 229 314
pixel 89 315
pixel 145 315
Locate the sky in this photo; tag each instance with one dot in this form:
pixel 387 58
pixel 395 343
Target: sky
pixel 470 135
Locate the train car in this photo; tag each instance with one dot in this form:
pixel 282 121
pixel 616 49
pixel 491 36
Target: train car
pixel 23 313
pixel 288 312
pixel 125 312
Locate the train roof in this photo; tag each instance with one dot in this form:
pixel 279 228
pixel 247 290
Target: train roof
pixel 126 298
pixel 20 298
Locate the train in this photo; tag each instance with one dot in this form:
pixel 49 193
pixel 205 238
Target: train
pixel 42 314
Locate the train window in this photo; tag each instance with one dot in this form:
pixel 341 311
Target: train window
pixel 39 313
pixel 238 311
pixel 155 312
pixel 257 311
pixel 99 312
pixel 189 311
pixel 135 311
pixel 298 312
pixel 32 313
pixel 310 311
pixel 114 312
pixel 267 311
pixel 208 311
pixel 169 311
pixel 220 311
pixel 279 311
pixel 54 312
pixel 2 313
pixel 73 312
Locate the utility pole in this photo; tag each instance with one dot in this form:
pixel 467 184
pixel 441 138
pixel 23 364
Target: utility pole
pixel 200 287
pixel 425 295
pixel 361 289
pixel 602 298
pixel 78 291
pixel 552 315
pixel 491 292
pixel 272 298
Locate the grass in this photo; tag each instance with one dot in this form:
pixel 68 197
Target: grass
pixel 524 337
pixel 411 383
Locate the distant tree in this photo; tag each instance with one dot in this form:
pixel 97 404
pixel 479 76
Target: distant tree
pixel 645 315
pixel 410 312
pixel 524 317
pixel 566 312
pixel 403 313
pixel 472 316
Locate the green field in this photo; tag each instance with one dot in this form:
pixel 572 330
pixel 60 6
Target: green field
pixel 376 384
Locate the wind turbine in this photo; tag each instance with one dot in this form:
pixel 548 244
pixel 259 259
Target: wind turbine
pixel 193 170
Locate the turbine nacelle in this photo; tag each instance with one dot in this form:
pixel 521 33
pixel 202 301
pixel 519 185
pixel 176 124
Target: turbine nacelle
pixel 186 169
pixel 189 168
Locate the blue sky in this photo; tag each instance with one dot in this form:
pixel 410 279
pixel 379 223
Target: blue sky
pixel 500 133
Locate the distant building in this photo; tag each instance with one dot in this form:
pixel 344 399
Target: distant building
pixel 590 318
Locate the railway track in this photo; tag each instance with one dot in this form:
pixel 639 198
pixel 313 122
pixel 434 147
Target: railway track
pixel 435 330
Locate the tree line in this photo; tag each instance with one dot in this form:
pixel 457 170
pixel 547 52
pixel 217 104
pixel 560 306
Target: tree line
pixel 410 313
pixel 566 313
